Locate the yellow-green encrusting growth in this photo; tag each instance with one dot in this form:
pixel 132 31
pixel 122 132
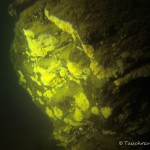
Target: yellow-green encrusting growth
pixel 65 26
pixel 57 78
pixel 106 112
pixel 49 112
pixel 78 116
pixel 82 101
pixel 41 45
pixel 58 112
pixel 95 110
pixel 70 68
pixel 22 78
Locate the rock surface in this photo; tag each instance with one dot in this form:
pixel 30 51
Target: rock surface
pixel 86 65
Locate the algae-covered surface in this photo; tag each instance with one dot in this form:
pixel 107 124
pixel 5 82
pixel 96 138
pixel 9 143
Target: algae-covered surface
pixel 86 64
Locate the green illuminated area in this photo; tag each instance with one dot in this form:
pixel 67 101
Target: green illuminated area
pixel 73 80
pixel 58 79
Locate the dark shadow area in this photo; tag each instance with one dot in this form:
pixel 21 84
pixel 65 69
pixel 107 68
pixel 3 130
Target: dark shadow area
pixel 22 125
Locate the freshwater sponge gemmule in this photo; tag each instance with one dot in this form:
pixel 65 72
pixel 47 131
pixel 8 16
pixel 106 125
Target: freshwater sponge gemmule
pixel 86 65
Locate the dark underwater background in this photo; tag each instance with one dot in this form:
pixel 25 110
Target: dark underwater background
pixel 22 125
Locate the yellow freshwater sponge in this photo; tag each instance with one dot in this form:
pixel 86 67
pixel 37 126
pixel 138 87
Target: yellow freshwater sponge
pixel 95 110
pixel 78 115
pixel 22 78
pixel 106 112
pixel 47 79
pixel 48 94
pixel 94 67
pixel 82 101
pixel 58 112
pixel 49 112
pixel 39 93
pixel 74 69
pixel 41 45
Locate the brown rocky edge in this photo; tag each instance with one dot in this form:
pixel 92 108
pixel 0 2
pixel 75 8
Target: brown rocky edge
pixel 117 33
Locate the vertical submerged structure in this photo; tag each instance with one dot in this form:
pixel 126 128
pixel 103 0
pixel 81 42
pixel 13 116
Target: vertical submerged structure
pixel 86 64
